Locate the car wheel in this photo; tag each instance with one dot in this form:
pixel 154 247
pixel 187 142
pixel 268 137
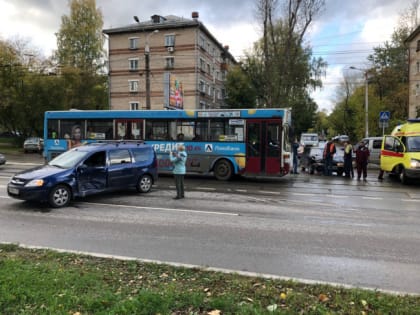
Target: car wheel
pixel 339 173
pixel 60 196
pixel 223 170
pixel 144 185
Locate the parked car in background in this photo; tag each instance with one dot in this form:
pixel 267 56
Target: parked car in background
pixel 33 144
pixel 2 159
pixel 374 145
pixel 316 160
pixel 87 170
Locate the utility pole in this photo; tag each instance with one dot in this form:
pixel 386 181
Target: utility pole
pixel 147 68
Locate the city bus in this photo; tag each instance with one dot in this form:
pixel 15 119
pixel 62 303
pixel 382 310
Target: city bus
pixel 221 142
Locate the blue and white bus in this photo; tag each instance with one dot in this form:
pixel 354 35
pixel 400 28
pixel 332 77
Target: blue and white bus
pixel 224 142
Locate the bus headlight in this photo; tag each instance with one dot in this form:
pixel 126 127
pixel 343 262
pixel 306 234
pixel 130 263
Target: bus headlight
pixel 35 183
pixel 414 163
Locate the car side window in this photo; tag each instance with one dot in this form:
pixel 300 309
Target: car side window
pixel 97 159
pixel 142 154
pixel 377 144
pixel 119 156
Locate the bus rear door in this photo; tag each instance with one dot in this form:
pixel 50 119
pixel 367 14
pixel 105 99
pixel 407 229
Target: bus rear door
pixel 263 149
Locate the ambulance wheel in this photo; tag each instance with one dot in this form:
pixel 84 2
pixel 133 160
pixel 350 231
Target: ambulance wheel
pixel 403 176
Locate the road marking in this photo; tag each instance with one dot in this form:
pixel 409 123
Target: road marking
pixel 411 200
pixel 162 209
pixel 206 188
pixel 302 194
pixel 241 190
pixel 373 198
pixel 269 192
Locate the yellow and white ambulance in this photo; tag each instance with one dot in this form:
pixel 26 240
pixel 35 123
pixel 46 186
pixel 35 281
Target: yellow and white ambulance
pixel 400 152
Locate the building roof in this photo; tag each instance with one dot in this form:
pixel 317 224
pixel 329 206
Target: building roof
pixel 158 22
pixel 413 34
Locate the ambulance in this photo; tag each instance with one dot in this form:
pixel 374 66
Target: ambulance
pixel 400 151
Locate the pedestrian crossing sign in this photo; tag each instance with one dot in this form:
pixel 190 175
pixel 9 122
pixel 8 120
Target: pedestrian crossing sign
pixel 384 116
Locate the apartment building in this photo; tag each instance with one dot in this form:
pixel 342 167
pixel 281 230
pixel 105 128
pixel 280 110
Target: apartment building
pixel 166 62
pixel 413 42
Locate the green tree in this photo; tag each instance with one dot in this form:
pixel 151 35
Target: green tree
pixel 281 66
pixel 80 56
pixel 241 93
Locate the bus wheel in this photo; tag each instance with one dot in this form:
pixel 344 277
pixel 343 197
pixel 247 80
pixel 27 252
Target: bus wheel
pixel 144 184
pixel 223 170
pixel 60 196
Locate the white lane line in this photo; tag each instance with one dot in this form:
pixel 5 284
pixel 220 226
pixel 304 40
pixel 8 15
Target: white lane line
pixel 411 200
pixel 241 190
pixel 269 192
pixel 205 188
pixel 302 194
pixel 162 209
pixel 336 196
pixel 373 198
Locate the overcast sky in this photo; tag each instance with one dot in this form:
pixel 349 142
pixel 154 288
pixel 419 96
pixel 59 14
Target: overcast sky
pixel 343 35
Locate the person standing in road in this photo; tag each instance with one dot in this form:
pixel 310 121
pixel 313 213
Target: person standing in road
pixel 178 159
pixel 348 160
pixel 295 156
pixel 362 158
pixel 329 151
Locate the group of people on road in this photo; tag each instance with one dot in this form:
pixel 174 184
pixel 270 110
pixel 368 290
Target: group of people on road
pixel 362 158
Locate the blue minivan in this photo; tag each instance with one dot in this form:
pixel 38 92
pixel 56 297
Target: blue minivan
pixel 86 170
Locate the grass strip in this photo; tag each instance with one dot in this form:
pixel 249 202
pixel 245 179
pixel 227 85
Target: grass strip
pixel 35 281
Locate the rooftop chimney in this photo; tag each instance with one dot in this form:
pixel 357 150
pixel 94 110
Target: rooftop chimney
pixel 194 15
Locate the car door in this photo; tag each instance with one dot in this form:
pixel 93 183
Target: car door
pixel 121 171
pixel 92 174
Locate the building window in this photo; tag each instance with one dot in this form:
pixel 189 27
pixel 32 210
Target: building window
pixel 202 65
pixel 202 42
pixel 418 67
pixel 417 91
pixel 418 45
pixel 134 106
pixel 133 42
pixel 169 40
pixel 202 86
pixel 133 85
pixel 133 64
pixel 169 62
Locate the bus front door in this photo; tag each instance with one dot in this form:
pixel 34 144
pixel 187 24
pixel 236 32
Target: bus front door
pixel 263 147
pixel 128 129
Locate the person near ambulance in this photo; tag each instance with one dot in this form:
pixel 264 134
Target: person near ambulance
pixel 328 154
pixel 362 159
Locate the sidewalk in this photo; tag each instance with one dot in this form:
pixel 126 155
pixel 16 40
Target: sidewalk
pixel 34 158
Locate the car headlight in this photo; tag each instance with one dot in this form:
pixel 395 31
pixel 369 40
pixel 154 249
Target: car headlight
pixel 35 183
pixel 414 163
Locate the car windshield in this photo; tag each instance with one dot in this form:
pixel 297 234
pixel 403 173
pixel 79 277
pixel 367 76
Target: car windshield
pixel 32 140
pixel 68 159
pixel 413 144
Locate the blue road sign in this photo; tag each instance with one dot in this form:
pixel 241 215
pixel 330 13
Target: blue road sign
pixel 384 116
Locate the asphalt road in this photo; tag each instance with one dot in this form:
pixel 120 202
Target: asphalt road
pixel 311 228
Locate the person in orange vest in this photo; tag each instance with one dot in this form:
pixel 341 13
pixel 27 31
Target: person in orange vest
pixel 329 151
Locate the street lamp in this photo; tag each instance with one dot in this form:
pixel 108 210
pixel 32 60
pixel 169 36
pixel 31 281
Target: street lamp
pixel 147 61
pixel 366 100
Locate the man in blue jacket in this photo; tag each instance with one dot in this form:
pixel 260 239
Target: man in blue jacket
pixel 178 159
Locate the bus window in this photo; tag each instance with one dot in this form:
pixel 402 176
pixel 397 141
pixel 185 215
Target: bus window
pixel 201 130
pixel 68 127
pixel 100 129
pixel 184 130
pixel 52 129
pixel 158 130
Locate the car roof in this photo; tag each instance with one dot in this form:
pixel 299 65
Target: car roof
pixel 98 146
